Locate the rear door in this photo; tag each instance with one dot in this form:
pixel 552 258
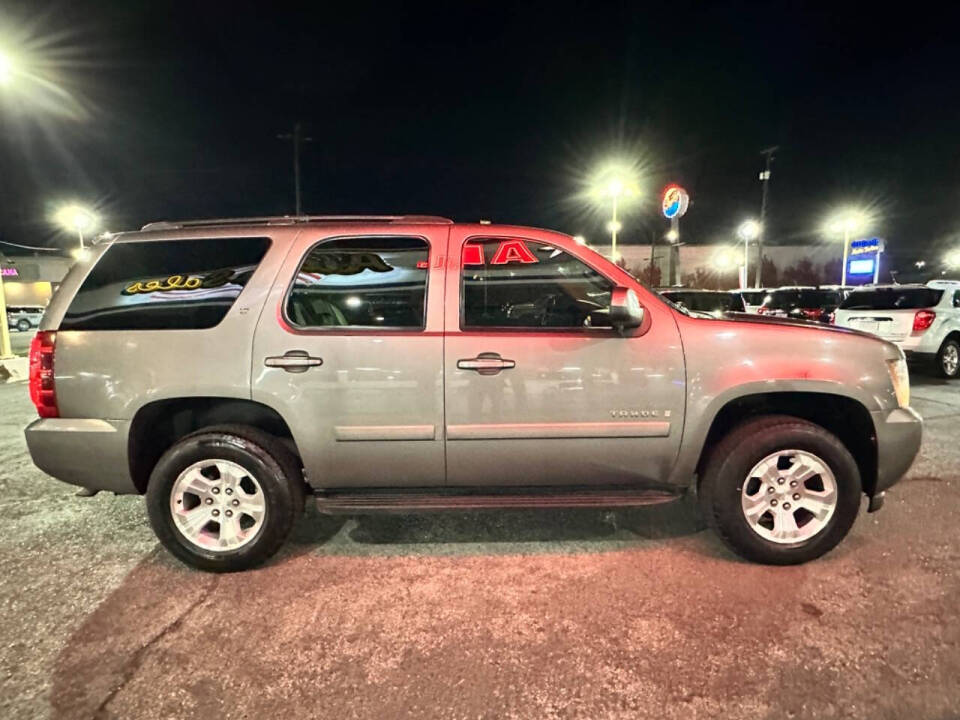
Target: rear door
pixel 886 311
pixel 539 389
pixel 349 350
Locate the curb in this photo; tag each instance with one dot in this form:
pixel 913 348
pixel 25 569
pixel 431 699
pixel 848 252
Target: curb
pixel 13 370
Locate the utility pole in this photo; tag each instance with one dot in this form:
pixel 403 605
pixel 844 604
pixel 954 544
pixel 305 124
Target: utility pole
pixel 765 179
pixel 298 138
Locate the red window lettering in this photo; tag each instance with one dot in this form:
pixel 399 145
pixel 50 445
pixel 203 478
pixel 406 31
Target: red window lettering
pixel 511 251
pixel 472 255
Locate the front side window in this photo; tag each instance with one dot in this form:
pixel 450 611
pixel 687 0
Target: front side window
pixel 374 282
pixel 512 283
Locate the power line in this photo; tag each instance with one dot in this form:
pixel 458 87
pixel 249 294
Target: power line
pixel 30 247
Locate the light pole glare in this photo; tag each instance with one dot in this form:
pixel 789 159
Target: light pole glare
pixel 953 259
pixel 579 239
pixel 672 235
pixel 615 184
pixel 748 230
pixel 76 218
pixel 845 224
pixel 6 68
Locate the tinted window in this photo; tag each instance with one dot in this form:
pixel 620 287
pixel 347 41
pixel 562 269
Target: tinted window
pixel 708 302
pixel 164 284
pixel 892 299
pixel 791 299
pixel 515 283
pixel 362 282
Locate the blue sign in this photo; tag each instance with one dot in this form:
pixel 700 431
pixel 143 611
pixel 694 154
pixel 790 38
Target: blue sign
pixel 865 246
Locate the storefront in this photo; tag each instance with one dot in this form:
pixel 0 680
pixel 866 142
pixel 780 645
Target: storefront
pixel 31 280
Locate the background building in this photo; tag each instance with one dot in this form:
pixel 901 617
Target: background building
pixel 30 279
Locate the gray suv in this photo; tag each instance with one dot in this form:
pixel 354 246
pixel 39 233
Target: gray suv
pixel 228 370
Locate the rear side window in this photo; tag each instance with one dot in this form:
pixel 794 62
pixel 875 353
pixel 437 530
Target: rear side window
pixel 164 284
pixel 512 283
pixel 791 299
pixel 373 282
pixel 892 299
pixel 707 301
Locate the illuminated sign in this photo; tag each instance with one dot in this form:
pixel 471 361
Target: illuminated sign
pixel 9 272
pixel 863 266
pixel 863 247
pixel 216 279
pixel 675 202
pixel 509 251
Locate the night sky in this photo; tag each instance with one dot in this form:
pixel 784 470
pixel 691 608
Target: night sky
pixel 484 110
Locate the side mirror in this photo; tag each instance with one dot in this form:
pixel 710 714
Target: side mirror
pixel 626 313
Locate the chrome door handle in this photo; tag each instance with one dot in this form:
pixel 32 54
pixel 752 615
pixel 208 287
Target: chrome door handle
pixel 486 363
pixel 295 361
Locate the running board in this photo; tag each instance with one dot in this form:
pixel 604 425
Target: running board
pixel 337 502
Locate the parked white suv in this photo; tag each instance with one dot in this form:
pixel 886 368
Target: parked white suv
pixel 924 320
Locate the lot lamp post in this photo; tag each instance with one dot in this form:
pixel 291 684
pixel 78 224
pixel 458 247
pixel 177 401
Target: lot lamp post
pixel 845 224
pixel 78 219
pixel 748 231
pixel 614 185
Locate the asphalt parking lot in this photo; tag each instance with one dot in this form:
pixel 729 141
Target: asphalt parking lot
pixel 499 615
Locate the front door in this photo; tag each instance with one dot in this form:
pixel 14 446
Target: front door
pixel 540 390
pixel 349 351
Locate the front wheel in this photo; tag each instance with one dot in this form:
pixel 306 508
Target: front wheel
pixel 23 324
pixel 948 360
pixel 225 499
pixel 780 490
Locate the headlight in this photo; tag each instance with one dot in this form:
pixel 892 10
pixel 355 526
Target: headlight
pixel 900 377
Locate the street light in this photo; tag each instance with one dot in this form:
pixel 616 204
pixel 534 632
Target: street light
pixel 78 219
pixel 672 235
pixel 724 259
pixel 748 231
pixel 846 223
pixel 953 258
pixel 616 185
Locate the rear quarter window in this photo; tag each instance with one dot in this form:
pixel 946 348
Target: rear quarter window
pixel 164 284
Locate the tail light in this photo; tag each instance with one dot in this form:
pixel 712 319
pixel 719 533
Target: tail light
pixel 832 318
pixel 811 313
pixel 42 392
pixel 923 320
pixel 762 310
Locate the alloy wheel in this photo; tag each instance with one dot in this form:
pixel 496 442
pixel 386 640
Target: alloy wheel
pixel 789 496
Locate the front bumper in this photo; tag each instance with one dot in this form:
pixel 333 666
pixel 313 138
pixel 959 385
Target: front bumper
pixel 899 433
pixel 85 452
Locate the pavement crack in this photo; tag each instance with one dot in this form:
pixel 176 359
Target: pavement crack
pixel 136 660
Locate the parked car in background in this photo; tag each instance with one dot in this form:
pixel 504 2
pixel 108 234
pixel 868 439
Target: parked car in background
pixel 228 370
pixel 24 317
pixel 802 303
pixel 924 320
pixel 752 298
pixel 711 302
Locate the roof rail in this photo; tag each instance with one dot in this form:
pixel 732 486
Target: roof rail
pixel 293 219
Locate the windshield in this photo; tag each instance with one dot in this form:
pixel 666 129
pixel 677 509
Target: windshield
pixel 708 302
pixel 892 298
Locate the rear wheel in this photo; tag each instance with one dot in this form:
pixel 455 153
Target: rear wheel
pixel 948 359
pixel 23 324
pixel 780 490
pixel 225 499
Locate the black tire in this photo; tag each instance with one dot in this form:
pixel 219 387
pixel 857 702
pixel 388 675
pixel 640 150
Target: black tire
pixel 736 455
pixel 265 458
pixel 23 325
pixel 949 343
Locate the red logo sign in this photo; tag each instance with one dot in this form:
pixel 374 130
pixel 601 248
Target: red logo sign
pixel 509 251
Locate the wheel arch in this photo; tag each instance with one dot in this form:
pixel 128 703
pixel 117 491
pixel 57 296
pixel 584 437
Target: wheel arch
pixel 158 425
pixel 846 417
